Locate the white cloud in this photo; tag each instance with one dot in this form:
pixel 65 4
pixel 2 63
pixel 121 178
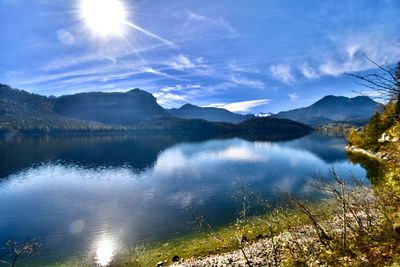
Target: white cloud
pixel 168 89
pixel 351 50
pixel 293 96
pixel 239 153
pixel 158 73
pixel 181 88
pixel 184 62
pixel 282 73
pixel 309 72
pixel 242 80
pixel 114 53
pixel 220 22
pixel 65 37
pixel 378 96
pixel 70 61
pixel 101 72
pixel 245 68
pixel 169 99
pixel 176 95
pixel 243 106
pixel 335 68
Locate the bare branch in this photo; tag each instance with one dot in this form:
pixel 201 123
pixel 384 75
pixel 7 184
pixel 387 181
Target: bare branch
pixel 381 67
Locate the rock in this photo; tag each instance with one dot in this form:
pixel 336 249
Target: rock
pixel 259 236
pixel 176 258
pixel 159 264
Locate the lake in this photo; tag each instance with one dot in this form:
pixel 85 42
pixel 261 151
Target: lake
pixel 90 196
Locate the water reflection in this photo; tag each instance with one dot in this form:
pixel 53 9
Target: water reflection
pixel 105 251
pixel 135 188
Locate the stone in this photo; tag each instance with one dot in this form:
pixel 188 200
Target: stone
pixel 259 236
pixel 176 258
pixel 160 264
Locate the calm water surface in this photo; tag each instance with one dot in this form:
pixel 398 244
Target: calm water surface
pixel 88 195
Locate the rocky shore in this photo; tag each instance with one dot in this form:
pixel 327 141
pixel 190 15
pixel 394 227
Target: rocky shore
pixel 391 156
pixel 301 245
pixel 267 251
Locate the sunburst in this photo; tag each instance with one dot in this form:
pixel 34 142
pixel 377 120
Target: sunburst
pixel 104 18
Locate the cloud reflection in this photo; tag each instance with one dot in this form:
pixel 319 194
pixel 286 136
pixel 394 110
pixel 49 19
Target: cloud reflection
pixel 98 208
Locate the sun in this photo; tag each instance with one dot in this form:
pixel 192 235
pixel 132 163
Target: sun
pixel 105 18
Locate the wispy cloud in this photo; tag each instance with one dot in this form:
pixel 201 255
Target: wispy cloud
pixel 115 53
pixel 237 67
pixel 101 72
pixel 176 95
pixel 351 51
pixel 282 73
pixel 70 61
pixel 184 62
pixel 220 21
pixel 243 106
pixel 293 96
pixel 65 37
pixel 158 73
pixel 247 82
pixel 309 72
pixel 180 88
pixel 179 94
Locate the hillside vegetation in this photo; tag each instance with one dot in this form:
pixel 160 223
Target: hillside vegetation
pixel 133 111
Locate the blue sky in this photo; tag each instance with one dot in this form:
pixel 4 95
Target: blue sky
pixel 247 56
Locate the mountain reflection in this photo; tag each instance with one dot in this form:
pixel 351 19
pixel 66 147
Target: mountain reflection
pixel 78 192
pixel 139 152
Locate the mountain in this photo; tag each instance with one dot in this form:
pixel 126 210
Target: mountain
pixel 258 128
pixel 112 108
pixel 273 127
pixel 14 101
pixel 21 111
pixel 189 111
pixel 334 109
pixel 135 110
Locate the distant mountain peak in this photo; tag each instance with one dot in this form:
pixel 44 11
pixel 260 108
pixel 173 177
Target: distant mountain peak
pixel 188 105
pixel 190 111
pixel 127 108
pixel 137 91
pixel 332 108
pixel 331 99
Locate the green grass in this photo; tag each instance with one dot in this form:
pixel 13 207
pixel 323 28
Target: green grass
pixel 216 241
pixel 203 242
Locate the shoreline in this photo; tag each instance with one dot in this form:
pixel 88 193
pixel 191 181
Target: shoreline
pixel 354 149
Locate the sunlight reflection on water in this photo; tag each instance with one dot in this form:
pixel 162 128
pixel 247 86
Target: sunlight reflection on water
pixel 105 251
pixel 134 191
